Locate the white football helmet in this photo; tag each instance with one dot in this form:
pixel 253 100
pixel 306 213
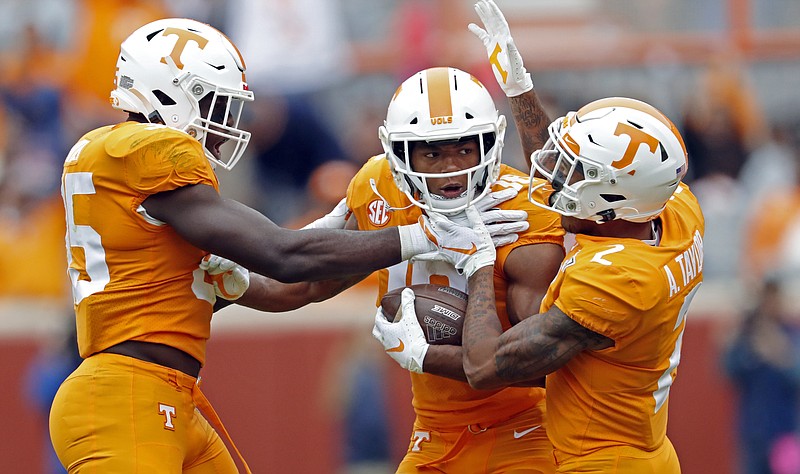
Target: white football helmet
pixel 165 68
pixel 615 158
pixel 439 105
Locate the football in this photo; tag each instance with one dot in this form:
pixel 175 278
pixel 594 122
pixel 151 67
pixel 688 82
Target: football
pixel 440 311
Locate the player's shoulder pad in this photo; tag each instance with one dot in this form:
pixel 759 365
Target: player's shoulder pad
pixel 131 137
pixel 513 178
pixel 375 172
pixel 376 167
pixel 684 201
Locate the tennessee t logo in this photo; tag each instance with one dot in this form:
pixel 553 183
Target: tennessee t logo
pixel 496 62
pixel 169 413
pixel 419 438
pixel 184 36
pixel 637 138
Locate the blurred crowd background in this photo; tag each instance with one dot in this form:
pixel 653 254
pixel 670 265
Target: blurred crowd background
pixel 727 72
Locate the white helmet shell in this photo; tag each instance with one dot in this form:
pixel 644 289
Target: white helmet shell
pixel 166 67
pixel 615 158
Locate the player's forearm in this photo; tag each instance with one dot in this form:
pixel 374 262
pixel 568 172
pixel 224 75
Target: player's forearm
pixel 445 361
pixel 321 254
pixel 532 122
pixel 481 331
pixel 266 294
pixel 234 231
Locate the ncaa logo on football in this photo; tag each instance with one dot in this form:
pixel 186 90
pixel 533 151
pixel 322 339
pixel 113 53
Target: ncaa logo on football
pixel 378 212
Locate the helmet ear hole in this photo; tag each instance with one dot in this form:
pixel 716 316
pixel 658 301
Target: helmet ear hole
pixel 163 98
pixel 613 197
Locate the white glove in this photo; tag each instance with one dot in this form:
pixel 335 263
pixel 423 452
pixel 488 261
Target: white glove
pixel 466 248
pixel 504 225
pixel 402 339
pixel 230 279
pixel 336 219
pixel 503 53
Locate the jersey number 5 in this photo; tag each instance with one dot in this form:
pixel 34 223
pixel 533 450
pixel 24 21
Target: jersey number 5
pixel 93 264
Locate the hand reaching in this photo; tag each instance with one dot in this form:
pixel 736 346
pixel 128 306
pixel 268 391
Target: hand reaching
pixel 504 225
pixel 336 219
pixel 503 53
pixel 466 248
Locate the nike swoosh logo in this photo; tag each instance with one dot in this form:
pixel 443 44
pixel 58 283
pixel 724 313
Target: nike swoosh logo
pixel 464 251
pixel 520 434
pixel 430 235
pixel 399 347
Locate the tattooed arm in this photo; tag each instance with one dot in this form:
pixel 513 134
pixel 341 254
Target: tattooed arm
pixel 532 122
pixel 535 347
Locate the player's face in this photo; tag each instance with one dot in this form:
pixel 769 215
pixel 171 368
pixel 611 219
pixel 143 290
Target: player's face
pixel 445 158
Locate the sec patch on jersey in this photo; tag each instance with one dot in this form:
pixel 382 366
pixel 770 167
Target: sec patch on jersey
pixel 440 311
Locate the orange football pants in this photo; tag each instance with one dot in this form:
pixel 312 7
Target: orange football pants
pixel 622 460
pixel 120 414
pixel 517 445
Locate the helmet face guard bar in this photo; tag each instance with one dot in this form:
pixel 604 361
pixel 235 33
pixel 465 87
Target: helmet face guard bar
pixel 220 118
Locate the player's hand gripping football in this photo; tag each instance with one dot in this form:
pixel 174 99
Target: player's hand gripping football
pixel 503 53
pixel 403 338
pixel 230 279
pixel 336 219
pixel 466 248
pixel 504 225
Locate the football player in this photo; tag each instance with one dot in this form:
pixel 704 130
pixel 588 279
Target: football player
pixel 443 140
pixel 441 167
pixel 442 161
pixel 609 332
pixel 142 208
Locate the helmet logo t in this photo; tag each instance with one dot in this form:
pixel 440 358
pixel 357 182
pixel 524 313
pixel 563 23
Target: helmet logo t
pixel 638 137
pixel 184 36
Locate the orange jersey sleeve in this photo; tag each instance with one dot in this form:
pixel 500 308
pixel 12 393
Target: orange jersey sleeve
pixel 133 277
pixel 377 203
pixel 637 295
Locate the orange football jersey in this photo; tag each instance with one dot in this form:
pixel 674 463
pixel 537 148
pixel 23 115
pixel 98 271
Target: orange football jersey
pixel 637 295
pixel 133 277
pixel 438 401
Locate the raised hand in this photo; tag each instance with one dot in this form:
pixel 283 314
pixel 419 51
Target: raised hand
pixel 503 53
